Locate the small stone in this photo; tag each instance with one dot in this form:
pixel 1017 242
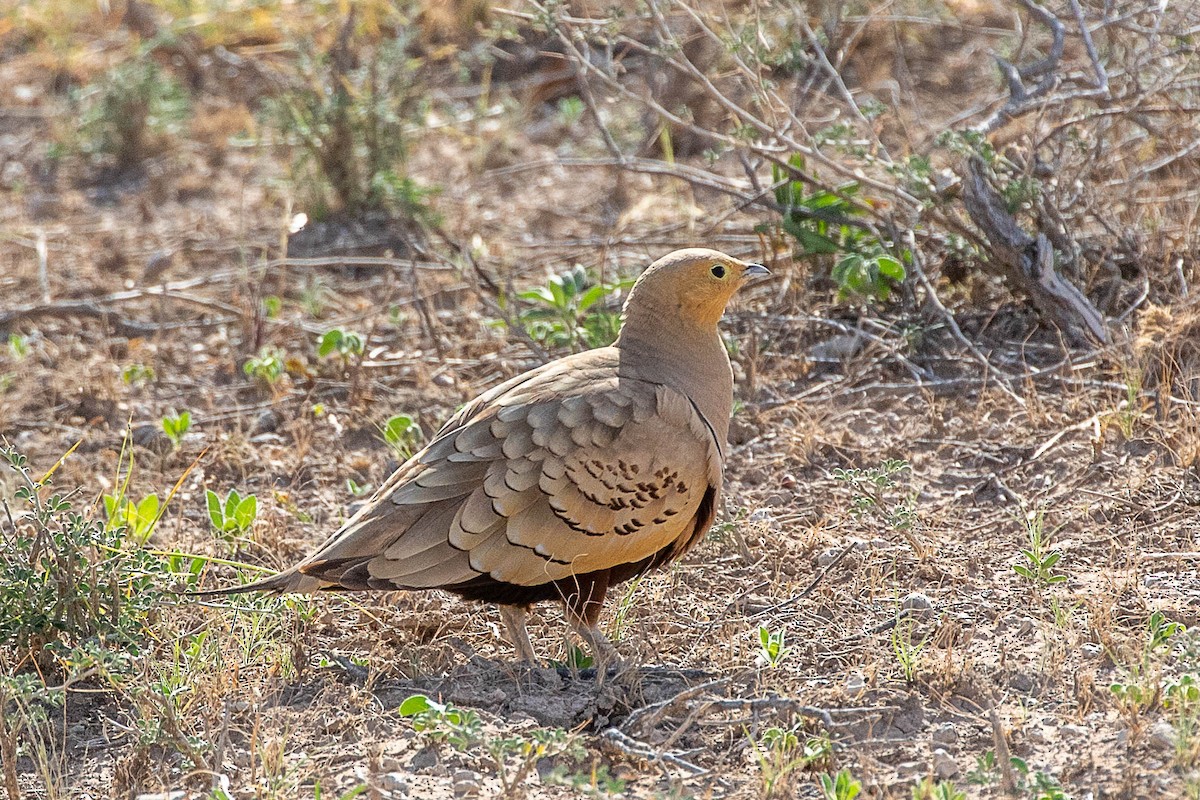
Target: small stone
pixel 945 734
pixel 151 437
pixel 828 556
pixel 1091 649
pixel 395 783
pixel 917 606
pixel 268 422
pixel 442 379
pixel 777 499
pixel 175 795
pixel 944 765
pixel 855 683
pixel 1073 733
pixel 1161 736
pixel 466 783
pixel 424 759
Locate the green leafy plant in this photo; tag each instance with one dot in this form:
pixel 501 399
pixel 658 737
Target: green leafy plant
pixel 344 344
pixel 402 434
pixel 459 728
pixel 76 594
pixel 820 223
pixel 136 519
pixel 1040 558
pixel 137 374
pixel 232 517
pixel 771 651
pixel 267 367
pixel 781 752
pixel 841 786
pixel 176 426
pixel 929 789
pixel 566 313
pixel 18 346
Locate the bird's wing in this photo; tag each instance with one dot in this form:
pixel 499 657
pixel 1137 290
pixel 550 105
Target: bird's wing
pixel 575 471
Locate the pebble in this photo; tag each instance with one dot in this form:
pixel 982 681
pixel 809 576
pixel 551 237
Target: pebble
pixel 855 683
pixel 1091 649
pixel 917 606
pixel 466 783
pixel 175 795
pixel 395 783
pixel 1161 736
pixel 424 758
pixel 442 379
pixel 1073 733
pixel 944 765
pixel 945 733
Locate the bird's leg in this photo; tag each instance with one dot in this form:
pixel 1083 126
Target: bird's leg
pixel 604 654
pixel 583 613
pixel 518 634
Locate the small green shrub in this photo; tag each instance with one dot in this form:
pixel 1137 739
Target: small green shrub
pixel 137 519
pixel 402 434
pixel 347 120
pixel 267 367
pixel 176 426
pixel 869 266
pixel 344 344
pixel 232 517
pixel 566 311
pixel 129 114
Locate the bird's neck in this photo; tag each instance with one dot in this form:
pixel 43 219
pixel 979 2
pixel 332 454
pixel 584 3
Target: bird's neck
pixel 689 357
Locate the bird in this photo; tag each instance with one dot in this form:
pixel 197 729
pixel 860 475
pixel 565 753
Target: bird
pixel 563 481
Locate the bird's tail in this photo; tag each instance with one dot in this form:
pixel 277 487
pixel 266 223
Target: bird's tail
pixel 290 580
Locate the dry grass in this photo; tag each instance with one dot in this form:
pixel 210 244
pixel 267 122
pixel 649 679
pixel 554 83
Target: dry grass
pixel 909 641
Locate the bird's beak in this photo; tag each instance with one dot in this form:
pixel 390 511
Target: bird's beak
pixel 755 271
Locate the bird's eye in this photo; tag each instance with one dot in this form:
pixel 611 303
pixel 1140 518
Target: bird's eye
pixel 718 271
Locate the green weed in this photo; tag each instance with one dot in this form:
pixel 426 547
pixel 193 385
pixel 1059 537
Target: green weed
pixel 841 786
pixel 819 221
pixel 1040 558
pixel 176 426
pixel 402 434
pixel 566 313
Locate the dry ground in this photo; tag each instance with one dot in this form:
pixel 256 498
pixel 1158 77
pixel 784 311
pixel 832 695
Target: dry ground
pixel 295 697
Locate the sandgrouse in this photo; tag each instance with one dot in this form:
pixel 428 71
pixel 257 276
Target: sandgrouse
pixel 567 479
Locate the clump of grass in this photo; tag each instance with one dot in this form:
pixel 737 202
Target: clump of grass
pixel 347 120
pixel 129 114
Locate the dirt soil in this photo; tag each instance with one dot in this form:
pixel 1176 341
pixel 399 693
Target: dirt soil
pixel 910 640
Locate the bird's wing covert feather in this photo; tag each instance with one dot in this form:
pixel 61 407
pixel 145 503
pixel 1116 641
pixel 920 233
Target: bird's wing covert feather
pixel 577 471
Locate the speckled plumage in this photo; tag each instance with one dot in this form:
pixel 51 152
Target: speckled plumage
pixel 574 476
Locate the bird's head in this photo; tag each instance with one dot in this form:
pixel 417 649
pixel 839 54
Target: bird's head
pixel 692 286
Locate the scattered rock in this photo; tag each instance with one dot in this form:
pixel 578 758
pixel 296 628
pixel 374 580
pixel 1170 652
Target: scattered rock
pixel 1073 733
pixel 268 422
pixel 855 683
pixel 395 783
pixel 466 783
pixel 1161 736
pixel 944 765
pixel 424 758
pixel 151 437
pixel 945 733
pixel 917 606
